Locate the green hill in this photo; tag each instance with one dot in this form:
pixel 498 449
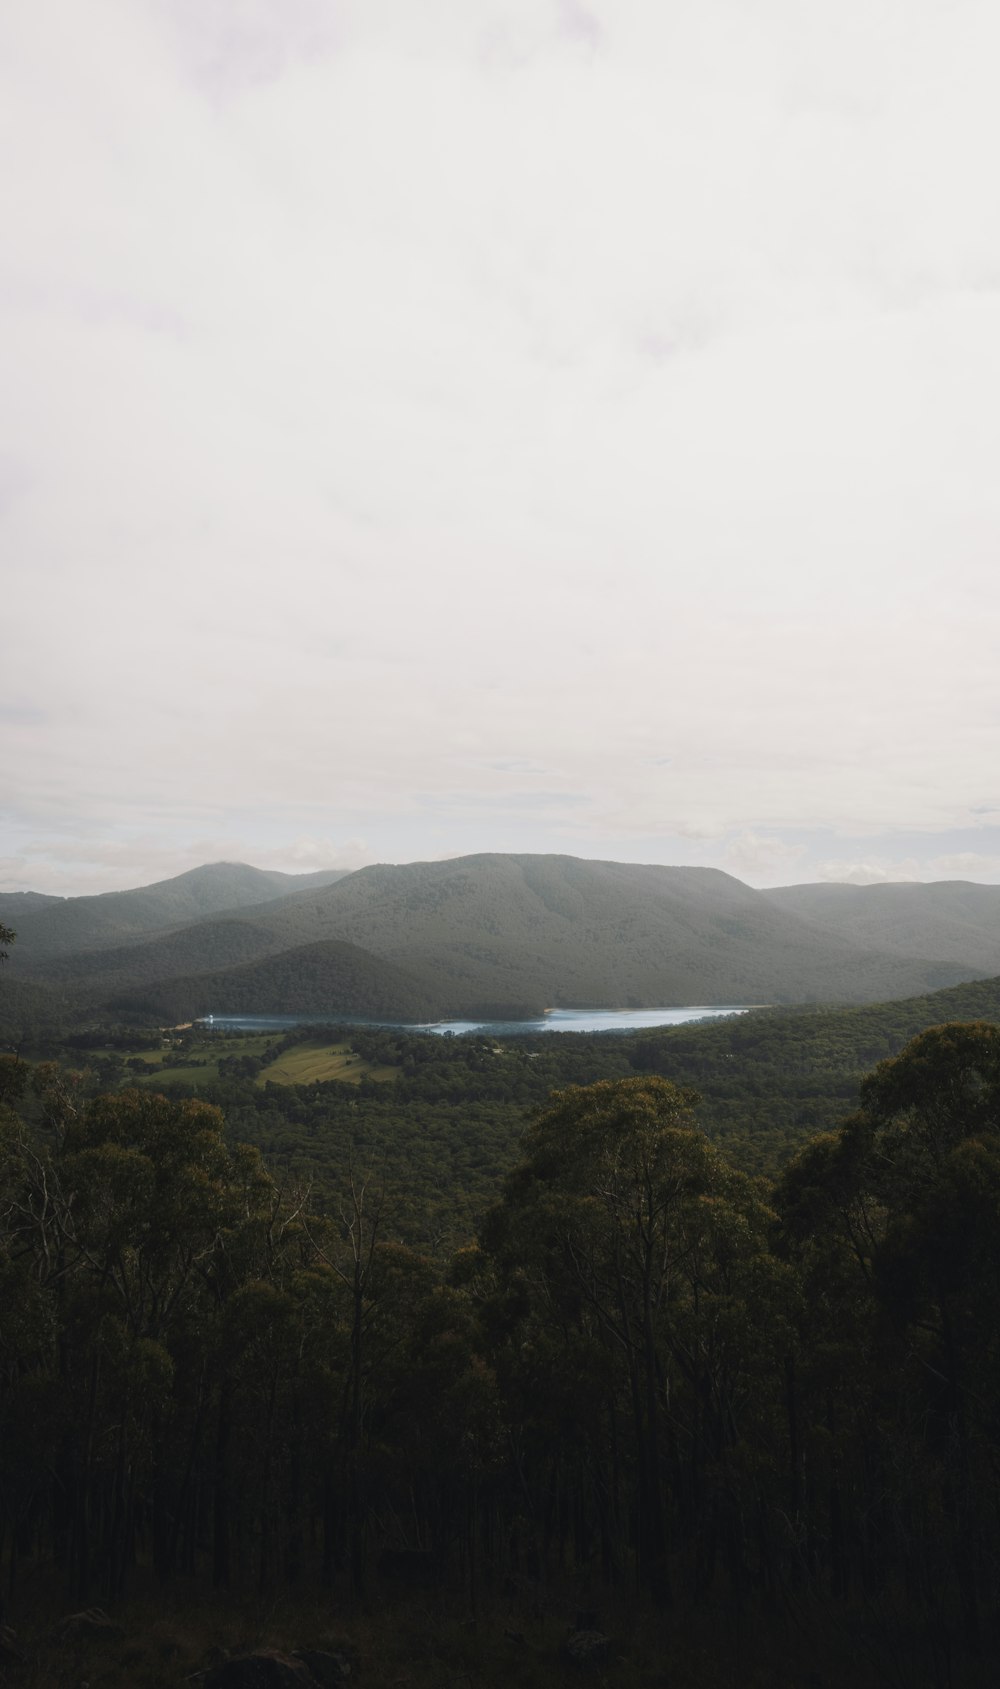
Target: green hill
pixel 504 934
pixel 769 1081
pixel 62 926
pixel 557 931
pixel 329 978
pixel 14 905
pixel 202 947
pixel 953 919
pixel 773 1079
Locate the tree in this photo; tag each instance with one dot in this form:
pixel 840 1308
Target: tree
pixel 640 1246
pixel 895 1222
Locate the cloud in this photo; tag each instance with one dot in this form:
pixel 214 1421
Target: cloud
pixel 966 865
pixel 392 413
pixel 231 46
pixel 933 865
pixel 868 873
pixel 94 864
pixel 580 25
pixel 765 859
pixel 15 714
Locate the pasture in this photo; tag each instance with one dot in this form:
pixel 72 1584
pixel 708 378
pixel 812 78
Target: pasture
pixel 199 1064
pixel 308 1063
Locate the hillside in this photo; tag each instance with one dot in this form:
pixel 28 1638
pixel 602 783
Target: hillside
pixel 447 1129
pixel 555 930
pixel 14 905
pixel 31 1014
pixel 512 935
pixel 954 919
pixel 772 1079
pixel 327 978
pixel 61 926
pixel 201 947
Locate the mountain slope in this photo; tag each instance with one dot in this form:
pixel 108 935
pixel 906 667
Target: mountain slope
pixel 328 978
pixel 67 925
pixel 499 934
pixel 14 905
pixel 545 930
pixel 953 919
pixel 201 947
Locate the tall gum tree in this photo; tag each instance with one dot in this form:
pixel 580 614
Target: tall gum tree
pixel 895 1222
pixel 638 1242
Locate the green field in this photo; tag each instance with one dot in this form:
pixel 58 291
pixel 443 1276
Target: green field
pixel 201 1066
pixel 197 1065
pixel 307 1063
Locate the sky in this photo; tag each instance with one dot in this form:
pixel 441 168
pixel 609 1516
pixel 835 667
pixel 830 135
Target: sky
pixel 518 425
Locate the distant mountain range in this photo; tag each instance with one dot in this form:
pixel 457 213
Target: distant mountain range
pixel 953 919
pixel 488 934
pixel 54 926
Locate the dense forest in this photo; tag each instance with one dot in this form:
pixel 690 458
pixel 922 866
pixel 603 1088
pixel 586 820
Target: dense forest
pixel 627 1403
pixel 442 1118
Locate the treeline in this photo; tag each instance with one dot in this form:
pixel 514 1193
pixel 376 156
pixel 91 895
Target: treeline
pixel 651 1372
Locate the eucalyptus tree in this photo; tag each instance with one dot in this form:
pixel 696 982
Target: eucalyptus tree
pixel 645 1261
pixel 894 1222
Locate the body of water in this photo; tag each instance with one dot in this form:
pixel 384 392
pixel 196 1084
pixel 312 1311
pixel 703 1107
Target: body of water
pixel 555 1020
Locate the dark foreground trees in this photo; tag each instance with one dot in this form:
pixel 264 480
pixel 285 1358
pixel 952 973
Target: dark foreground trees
pixel 650 1373
pixel 893 1225
pixel 644 1260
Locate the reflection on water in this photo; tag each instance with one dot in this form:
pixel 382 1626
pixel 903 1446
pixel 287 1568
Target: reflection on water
pixel 555 1020
pixel 586 1020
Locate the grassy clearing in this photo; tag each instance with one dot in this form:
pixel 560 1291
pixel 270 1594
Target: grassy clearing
pixel 308 1063
pixel 199 1066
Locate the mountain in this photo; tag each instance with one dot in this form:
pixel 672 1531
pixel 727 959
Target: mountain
pixel 329 978
pixel 14 905
pixel 953 919
pixel 545 930
pixel 31 1013
pixel 201 947
pixel 62 926
pixel 501 934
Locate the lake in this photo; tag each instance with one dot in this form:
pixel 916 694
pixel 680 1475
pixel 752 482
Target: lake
pixel 555 1020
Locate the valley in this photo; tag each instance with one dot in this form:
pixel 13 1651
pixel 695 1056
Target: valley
pixel 490 937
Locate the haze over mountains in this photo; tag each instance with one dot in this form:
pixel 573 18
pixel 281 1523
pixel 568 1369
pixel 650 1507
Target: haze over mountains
pixel 52 926
pixel 956 920
pixel 487 934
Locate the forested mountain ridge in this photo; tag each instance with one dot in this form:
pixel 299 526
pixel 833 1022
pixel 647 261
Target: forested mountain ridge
pixel 485 934
pixel 48 927
pixel 548 930
pixel 201 947
pixel 331 977
pixel 14 905
pixel 954 919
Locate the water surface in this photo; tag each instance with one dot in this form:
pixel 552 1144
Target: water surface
pixel 554 1020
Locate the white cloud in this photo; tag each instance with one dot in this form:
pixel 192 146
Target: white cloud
pixel 763 859
pixel 966 865
pixel 95 864
pixel 868 873
pixel 395 393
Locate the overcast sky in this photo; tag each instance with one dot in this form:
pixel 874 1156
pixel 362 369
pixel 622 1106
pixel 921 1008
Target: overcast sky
pixel 443 425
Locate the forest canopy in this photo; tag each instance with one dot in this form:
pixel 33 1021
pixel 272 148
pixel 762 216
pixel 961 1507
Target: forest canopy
pixel 650 1369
